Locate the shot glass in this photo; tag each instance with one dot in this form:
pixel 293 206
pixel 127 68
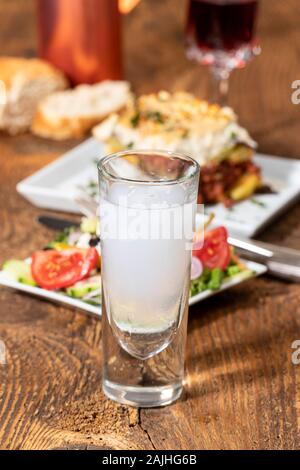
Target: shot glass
pixel 147 212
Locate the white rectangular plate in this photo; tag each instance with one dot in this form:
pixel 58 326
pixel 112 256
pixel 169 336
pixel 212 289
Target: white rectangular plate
pixel 55 186
pixel 255 268
pixel 252 215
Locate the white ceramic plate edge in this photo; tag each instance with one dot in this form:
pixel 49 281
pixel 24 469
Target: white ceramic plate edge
pixel 49 295
pixel 35 189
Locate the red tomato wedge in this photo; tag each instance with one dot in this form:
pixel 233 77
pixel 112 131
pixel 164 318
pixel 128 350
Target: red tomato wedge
pixel 215 252
pixel 53 269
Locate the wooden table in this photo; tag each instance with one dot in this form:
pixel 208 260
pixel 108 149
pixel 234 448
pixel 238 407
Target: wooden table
pixel 242 388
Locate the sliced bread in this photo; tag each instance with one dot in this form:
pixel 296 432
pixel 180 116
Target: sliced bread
pixel 23 83
pixel 72 113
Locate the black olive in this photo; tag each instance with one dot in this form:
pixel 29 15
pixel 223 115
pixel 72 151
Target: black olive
pixel 94 241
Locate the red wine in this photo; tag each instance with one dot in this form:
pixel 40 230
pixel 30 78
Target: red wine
pixel 221 24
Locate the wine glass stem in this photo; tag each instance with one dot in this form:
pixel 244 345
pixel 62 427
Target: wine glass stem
pixel 221 85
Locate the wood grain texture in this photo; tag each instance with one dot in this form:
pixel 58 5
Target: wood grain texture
pixel 242 389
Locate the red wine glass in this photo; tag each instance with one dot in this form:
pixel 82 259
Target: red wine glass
pixel 221 34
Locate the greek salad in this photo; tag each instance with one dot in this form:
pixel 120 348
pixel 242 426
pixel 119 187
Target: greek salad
pixel 71 263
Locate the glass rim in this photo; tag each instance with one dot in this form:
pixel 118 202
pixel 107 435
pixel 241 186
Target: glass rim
pixel 166 153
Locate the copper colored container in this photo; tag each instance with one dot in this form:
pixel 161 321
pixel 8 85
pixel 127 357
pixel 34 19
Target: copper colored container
pixel 82 38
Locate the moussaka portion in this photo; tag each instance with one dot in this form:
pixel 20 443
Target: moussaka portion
pixel 183 123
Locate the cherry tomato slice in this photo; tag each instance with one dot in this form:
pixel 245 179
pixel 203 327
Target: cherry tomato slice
pixel 215 252
pixel 53 269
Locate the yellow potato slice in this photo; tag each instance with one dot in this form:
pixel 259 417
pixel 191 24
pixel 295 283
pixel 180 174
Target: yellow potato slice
pixel 245 187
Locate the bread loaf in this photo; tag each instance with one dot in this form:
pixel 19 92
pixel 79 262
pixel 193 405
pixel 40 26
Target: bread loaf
pixel 23 83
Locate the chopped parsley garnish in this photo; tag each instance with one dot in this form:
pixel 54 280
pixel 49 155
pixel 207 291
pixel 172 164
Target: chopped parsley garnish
pixel 154 116
pixel 258 203
pixel 135 119
pixel 90 188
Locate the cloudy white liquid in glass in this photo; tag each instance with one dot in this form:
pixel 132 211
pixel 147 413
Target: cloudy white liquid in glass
pixel 146 263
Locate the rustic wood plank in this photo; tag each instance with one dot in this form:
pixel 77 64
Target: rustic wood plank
pixel 242 389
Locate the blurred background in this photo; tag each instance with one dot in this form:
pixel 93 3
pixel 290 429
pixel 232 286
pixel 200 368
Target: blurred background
pixel 240 345
pixel 154 59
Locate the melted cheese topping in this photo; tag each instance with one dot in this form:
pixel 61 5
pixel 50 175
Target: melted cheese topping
pixel 178 122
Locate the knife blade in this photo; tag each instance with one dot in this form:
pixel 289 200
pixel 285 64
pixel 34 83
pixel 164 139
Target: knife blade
pixel 56 223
